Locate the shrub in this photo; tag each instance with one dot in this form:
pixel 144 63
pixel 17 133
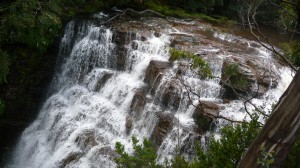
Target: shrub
pixel 143 155
pixel 229 149
pixel 224 152
pixel 292 51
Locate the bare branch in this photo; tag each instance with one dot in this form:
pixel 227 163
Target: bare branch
pixel 189 90
pixel 136 12
pixel 282 8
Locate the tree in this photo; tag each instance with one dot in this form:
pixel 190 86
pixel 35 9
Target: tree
pixel 280 131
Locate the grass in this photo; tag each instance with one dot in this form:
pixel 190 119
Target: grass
pixel 177 12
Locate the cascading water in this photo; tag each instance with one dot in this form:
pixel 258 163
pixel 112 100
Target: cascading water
pixel 91 102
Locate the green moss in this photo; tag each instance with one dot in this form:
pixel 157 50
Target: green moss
pixel 197 62
pixel 237 80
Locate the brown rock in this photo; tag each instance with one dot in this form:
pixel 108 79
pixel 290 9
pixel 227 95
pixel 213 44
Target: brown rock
pixel 154 73
pixel 266 75
pixel 86 140
pixel 172 95
pixel 121 39
pixel 162 128
pixel 72 157
pixel 128 124
pixel 204 114
pixel 138 102
pixel 101 81
pixel 253 77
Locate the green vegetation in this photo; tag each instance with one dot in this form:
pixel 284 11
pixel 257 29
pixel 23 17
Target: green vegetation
pixel 266 159
pixel 32 23
pixel 292 51
pixel 197 61
pixel 224 152
pixel 237 79
pixel 228 150
pixel 179 12
pixel 143 155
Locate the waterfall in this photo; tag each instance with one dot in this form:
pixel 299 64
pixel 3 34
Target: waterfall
pixel 79 124
pixel 91 101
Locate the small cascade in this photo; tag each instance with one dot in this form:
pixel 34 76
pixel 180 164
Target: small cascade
pixel 112 84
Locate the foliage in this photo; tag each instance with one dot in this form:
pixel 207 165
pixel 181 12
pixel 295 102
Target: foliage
pixel 197 61
pixel 231 72
pixel 266 159
pixel 143 155
pixel 31 22
pixel 4 66
pixel 292 51
pixel 177 12
pixel 286 20
pixel 229 149
pixel 224 152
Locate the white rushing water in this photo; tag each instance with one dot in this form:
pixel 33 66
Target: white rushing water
pixel 90 100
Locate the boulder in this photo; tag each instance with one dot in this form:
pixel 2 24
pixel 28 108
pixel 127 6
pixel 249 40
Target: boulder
pixel 102 80
pixel 138 102
pixel 204 114
pixel 253 78
pixel 185 42
pixel 107 151
pixel 265 75
pixel 162 128
pixel 86 140
pixel 154 73
pixel 128 124
pixel 69 159
pixel 172 94
pixel 122 38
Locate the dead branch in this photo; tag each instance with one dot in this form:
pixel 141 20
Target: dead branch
pixel 136 12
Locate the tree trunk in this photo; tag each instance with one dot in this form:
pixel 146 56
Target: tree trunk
pixel 280 131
